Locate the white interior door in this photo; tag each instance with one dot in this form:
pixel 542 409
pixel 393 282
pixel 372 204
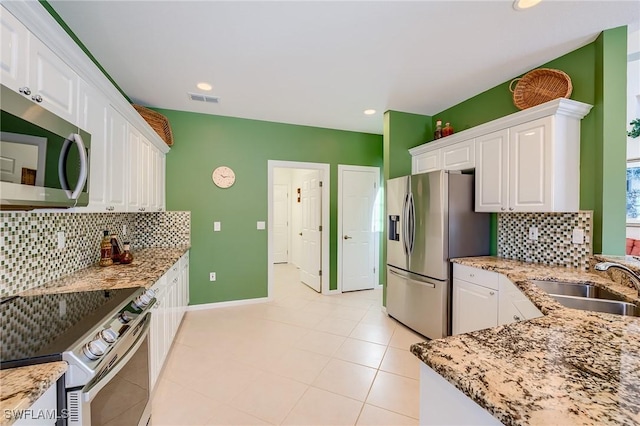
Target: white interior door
pixel 280 223
pixel 311 193
pixel 358 189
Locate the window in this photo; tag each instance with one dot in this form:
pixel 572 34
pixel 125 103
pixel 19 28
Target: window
pixel 633 192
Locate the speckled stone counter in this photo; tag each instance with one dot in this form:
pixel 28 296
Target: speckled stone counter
pixel 21 387
pixel 148 265
pixel 567 367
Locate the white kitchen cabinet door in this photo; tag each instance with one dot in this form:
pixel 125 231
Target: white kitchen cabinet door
pixel 459 156
pixel 43 406
pixel 530 161
pixel 52 82
pixel 93 119
pixel 14 51
pixel 160 183
pixel 117 162
pixel 185 281
pixel 157 333
pixel 146 169
pixel 492 172
pixel 427 162
pixel 134 150
pixel 474 307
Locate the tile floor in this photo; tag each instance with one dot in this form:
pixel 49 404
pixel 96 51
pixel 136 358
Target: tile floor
pixel 302 359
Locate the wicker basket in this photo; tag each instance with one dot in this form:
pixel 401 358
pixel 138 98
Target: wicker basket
pixel 158 122
pixel 540 86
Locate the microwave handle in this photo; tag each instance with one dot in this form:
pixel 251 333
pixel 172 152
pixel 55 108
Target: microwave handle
pixel 82 179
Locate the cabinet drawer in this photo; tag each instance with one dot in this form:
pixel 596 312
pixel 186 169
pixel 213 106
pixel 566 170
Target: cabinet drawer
pixel 478 276
pixel 460 156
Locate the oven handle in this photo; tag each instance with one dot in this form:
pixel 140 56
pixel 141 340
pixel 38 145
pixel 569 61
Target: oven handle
pixel 76 139
pixel 90 392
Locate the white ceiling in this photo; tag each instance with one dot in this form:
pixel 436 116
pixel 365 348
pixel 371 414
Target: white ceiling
pixel 322 63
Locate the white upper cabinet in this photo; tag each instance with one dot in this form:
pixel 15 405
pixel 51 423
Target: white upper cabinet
pixel 32 69
pixel 52 82
pixel 528 161
pixel 116 160
pixel 492 191
pixel 14 48
pixel 134 150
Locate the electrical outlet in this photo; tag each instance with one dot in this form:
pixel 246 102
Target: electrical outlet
pixel 124 230
pixel 577 236
pixel 212 276
pixel 216 226
pixel 533 233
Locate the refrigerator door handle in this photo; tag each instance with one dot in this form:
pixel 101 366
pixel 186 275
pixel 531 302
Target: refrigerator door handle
pixel 411 213
pixel 404 224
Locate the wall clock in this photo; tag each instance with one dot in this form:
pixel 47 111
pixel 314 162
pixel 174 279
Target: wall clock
pixel 223 177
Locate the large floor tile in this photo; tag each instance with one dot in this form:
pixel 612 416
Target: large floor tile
pixel 339 326
pixel 225 415
pixel 300 365
pixel 319 407
pixel 376 416
pixel 372 333
pixel 177 405
pixel 346 378
pixel 395 393
pixel 269 397
pixel 403 338
pixel 321 342
pixel 361 352
pixel 401 362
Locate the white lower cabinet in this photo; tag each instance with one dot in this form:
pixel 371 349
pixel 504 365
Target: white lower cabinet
pixel 483 299
pixel 43 411
pixel 171 303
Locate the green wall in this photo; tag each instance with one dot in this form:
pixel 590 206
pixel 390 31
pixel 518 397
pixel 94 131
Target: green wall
pixel 238 253
pixel 403 131
pixel 598 75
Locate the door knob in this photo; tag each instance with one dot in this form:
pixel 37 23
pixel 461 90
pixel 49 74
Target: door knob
pixel 346 237
pixel 300 233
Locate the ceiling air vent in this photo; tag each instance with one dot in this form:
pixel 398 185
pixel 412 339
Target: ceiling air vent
pixel 204 98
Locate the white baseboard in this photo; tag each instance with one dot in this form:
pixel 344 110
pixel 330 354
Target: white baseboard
pixel 217 305
pixel 330 292
pixel 384 309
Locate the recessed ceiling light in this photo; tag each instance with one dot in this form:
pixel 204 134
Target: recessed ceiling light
pixel 204 86
pixel 524 4
pixel 369 111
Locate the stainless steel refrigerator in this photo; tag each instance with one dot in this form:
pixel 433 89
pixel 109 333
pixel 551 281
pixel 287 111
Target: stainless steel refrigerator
pixel 430 220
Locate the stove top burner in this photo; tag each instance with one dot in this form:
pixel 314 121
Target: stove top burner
pixel 41 328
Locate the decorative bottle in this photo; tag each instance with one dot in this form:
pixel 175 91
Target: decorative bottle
pixel 126 256
pixel 105 250
pixel 437 134
pixel 447 130
pixel 116 250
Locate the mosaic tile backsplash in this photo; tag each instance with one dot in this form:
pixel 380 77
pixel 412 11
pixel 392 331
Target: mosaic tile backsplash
pixel 29 256
pixel 554 246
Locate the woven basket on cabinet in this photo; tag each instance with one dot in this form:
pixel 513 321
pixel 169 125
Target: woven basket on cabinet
pixel 540 86
pixel 158 122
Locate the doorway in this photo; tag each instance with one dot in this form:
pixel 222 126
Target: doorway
pixel 299 234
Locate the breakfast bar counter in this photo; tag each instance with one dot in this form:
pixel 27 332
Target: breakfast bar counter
pixel 566 367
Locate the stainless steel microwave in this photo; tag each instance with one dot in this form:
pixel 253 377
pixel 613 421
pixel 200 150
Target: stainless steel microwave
pixel 44 159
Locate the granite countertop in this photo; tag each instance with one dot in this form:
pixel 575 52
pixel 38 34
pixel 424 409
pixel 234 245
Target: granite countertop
pixel 566 367
pixel 148 265
pixel 21 387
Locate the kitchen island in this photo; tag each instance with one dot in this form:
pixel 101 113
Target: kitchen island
pixel 567 367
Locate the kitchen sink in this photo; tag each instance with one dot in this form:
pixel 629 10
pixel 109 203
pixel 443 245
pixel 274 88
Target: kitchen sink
pixel 599 305
pixel 587 297
pixel 577 289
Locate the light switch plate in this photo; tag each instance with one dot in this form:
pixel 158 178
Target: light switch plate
pixel 62 240
pixel 216 226
pixel 261 224
pixel 577 236
pixel 533 233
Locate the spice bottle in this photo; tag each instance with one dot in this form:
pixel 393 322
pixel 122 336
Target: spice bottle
pixel 105 250
pixel 447 130
pixel 437 134
pixel 116 250
pixel 126 256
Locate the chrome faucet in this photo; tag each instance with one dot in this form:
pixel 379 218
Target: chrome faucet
pixel 635 279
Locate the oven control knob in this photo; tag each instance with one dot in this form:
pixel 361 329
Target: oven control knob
pixel 107 335
pixel 125 317
pixel 94 349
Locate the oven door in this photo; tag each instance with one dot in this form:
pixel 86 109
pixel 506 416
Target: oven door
pixel 120 395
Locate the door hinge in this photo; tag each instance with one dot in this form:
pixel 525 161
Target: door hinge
pixel 375 185
pixel 320 228
pixel 320 273
pixel 320 184
pixel 374 270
